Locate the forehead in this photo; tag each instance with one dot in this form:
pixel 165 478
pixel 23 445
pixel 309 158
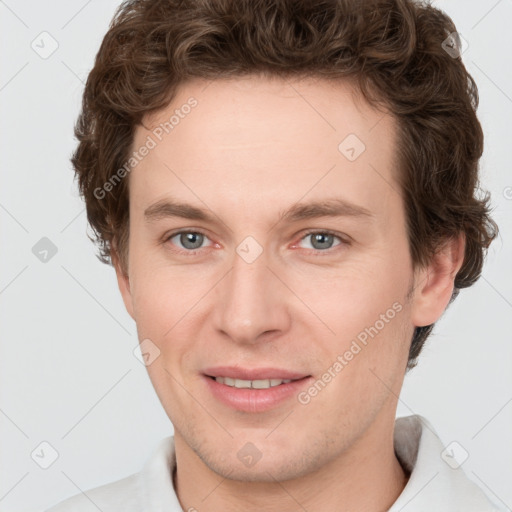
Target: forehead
pixel 258 141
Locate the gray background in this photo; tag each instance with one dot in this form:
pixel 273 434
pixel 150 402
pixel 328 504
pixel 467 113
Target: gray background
pixel 68 374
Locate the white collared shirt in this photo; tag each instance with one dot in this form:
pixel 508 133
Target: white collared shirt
pixel 436 483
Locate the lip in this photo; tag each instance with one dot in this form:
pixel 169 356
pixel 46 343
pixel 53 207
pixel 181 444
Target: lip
pixel 235 372
pixel 254 400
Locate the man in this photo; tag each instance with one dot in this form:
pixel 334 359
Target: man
pixel 287 193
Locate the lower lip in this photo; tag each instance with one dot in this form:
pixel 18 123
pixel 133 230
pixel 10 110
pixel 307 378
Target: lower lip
pixel 255 400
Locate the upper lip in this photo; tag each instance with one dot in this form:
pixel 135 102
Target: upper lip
pixel 235 372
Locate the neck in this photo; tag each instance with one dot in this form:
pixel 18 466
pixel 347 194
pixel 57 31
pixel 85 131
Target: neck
pixel 367 477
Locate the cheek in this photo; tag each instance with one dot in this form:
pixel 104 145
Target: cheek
pixel 366 309
pixel 352 299
pixel 157 301
pixel 166 304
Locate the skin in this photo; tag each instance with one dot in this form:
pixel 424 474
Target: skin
pixel 250 149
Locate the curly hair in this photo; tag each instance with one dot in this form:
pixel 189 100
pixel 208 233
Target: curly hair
pixel 395 51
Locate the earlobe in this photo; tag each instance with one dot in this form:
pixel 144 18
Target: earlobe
pixel 434 284
pixel 123 282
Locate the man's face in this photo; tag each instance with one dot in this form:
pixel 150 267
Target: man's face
pixel 252 293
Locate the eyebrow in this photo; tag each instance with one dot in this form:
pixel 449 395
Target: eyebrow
pixel 331 207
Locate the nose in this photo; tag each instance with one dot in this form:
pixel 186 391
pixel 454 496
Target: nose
pixel 252 303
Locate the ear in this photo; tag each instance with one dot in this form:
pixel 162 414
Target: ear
pixel 433 285
pixel 123 281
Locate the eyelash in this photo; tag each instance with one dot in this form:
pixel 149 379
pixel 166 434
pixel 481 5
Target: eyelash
pixel 316 252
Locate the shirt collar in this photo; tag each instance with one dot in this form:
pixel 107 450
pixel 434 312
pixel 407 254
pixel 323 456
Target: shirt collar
pixel 437 481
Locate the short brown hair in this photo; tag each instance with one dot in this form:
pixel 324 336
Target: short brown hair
pixel 394 50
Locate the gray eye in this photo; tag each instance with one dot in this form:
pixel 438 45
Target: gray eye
pixel 190 239
pixel 321 240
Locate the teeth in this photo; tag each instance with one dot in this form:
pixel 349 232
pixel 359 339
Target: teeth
pixel 255 384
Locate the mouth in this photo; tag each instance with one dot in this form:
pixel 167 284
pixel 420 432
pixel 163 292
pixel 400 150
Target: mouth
pixel 252 384
pixel 254 390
